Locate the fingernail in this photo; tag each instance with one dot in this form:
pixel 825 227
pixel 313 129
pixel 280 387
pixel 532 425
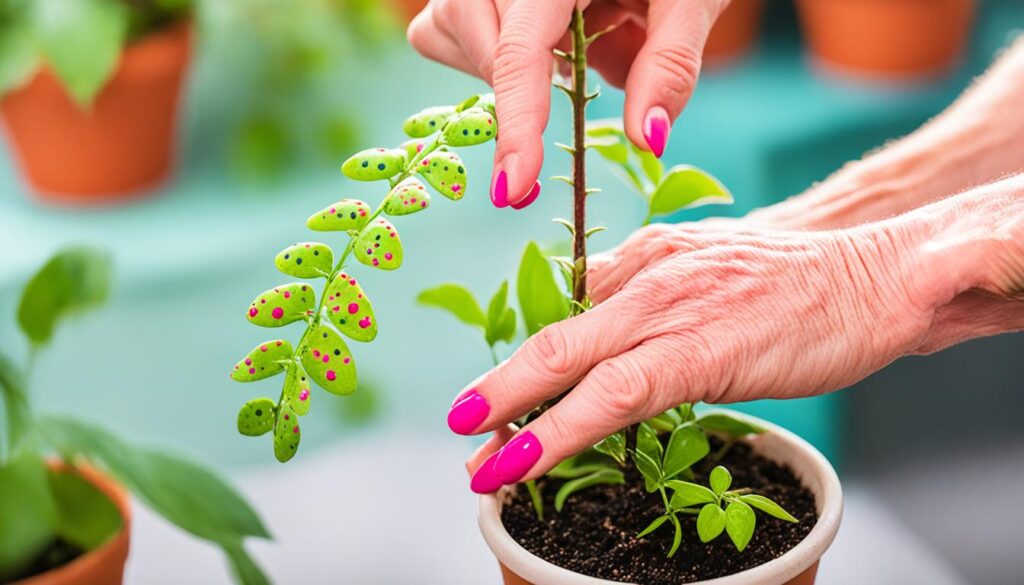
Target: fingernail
pixel 499 190
pixel 485 480
pixel 517 457
pixel 468 412
pixel 530 197
pixel 656 130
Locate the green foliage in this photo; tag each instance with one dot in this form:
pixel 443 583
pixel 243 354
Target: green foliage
pixel 720 480
pixel 710 522
pixel 739 523
pixel 600 477
pixel 28 513
pixel 343 308
pixel 15 405
pixel 684 187
pixel 686 446
pixel 85 516
pixel 768 507
pixel 541 301
pixel 614 446
pixel 724 422
pixel 73 280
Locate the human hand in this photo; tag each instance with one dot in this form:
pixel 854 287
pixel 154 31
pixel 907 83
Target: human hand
pixel 654 53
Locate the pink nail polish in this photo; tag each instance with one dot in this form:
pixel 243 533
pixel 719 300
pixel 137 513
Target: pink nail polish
pixel 656 130
pixel 469 410
pixel 517 457
pixel 530 197
pixel 499 190
pixel 485 480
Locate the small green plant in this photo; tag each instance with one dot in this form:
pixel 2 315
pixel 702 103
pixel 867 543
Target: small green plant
pixel 48 517
pixel 665 448
pixel 343 307
pixel 80 40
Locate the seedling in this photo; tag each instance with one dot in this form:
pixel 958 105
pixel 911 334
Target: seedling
pixel 342 308
pixel 664 463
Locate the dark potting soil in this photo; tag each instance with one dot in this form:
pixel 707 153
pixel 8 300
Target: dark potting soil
pixel 594 534
pixel 58 554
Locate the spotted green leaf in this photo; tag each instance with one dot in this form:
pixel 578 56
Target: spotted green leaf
pixel 345 215
pixel 444 171
pixel 739 524
pixel 305 260
pixel 413 147
pixel 282 305
pixel 407 197
pixel 470 127
pixel 296 389
pixel 349 309
pixel 265 360
pixel 683 187
pixel 768 507
pixel 256 417
pixel 720 479
pixel 710 522
pixel 379 246
pixel 375 164
pixel 328 361
pixel 427 121
pixel 286 433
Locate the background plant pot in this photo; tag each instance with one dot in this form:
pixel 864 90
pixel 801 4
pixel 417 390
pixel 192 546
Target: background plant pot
pixel 798 566
pixel 734 33
pixel 101 566
pixel 887 38
pixel 121 144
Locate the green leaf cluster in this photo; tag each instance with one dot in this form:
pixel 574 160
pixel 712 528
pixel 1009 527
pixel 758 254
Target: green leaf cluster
pixel 342 309
pixel 39 504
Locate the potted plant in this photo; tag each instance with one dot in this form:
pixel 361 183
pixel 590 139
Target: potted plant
pixel 89 93
pixel 887 39
pixel 734 33
pixel 65 516
pixel 689 495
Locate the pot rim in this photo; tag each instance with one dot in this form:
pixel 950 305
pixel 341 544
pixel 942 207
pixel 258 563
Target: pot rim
pixel 817 474
pixel 116 546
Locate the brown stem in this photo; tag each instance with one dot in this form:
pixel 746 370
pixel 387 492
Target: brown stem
pixel 579 171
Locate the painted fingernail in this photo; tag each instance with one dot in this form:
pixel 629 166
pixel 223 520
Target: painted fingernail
pixel 530 197
pixel 517 457
pixel 656 130
pixel 499 190
pixel 469 410
pixel 485 480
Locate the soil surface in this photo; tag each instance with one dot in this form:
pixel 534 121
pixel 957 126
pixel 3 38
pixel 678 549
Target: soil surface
pixel 594 534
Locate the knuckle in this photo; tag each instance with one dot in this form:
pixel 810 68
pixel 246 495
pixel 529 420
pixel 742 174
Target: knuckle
pixel 680 67
pixel 623 387
pixel 549 351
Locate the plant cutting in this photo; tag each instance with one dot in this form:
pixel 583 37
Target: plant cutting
pixel 887 39
pixel 650 503
pixel 342 307
pixel 65 515
pixel 89 93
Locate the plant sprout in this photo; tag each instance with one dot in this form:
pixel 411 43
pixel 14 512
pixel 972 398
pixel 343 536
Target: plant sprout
pixel 343 308
pixel 664 463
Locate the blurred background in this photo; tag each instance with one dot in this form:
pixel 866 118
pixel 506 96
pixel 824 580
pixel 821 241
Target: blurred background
pixel 276 93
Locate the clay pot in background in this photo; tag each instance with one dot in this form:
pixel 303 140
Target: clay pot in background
pixel 115 148
pixel 798 566
pixel 101 566
pixel 887 39
pixel 734 33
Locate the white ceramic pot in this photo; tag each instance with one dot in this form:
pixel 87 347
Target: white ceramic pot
pixel 797 566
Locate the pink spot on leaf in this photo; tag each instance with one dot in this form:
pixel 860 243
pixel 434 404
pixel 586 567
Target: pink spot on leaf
pixel 331 375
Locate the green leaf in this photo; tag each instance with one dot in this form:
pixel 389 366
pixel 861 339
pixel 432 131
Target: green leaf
pixel 328 361
pixel 282 305
pixel 256 417
pixel 726 423
pixel 686 494
pixel 343 216
pixel 28 514
pixel 375 164
pixel 18 56
pixel 501 320
pixel 470 127
pixel 457 300
pixel 16 408
pixel 602 477
pixel 265 360
pixel 186 494
pixel 427 121
pixel 244 568
pixel 710 522
pixel 768 507
pixel 73 280
pixel 739 523
pixel 686 446
pixel 305 260
pixel 379 246
pixel 677 538
pixel 684 187
pixel 536 499
pixel 647 442
pixel 407 198
pixel 349 308
pixel 579 465
pixel 81 40
pixel 652 166
pixel 665 422
pixel 286 433
pixel 540 299
pixel 86 517
pixel 720 479
pixel 614 446
pixel 445 172
pixel 650 469
pixel 653 526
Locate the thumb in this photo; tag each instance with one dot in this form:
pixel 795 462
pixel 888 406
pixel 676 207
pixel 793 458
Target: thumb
pixel 665 72
pixel 523 59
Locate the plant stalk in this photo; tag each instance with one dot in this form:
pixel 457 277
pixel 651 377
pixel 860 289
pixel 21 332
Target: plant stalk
pixel 579 156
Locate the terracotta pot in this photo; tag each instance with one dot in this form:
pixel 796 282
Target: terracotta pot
pixel 887 38
pixel 734 32
pixel 104 565
pixel 408 9
pixel 798 566
pixel 120 145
